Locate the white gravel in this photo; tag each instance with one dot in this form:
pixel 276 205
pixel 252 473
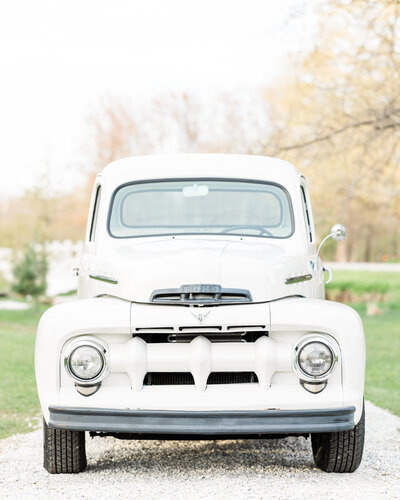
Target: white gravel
pixel 206 469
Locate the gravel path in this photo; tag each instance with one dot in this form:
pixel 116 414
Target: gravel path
pixel 206 469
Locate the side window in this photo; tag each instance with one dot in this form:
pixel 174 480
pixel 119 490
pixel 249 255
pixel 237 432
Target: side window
pixel 306 213
pixel 93 224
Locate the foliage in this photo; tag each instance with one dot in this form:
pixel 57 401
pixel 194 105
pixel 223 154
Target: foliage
pixel 338 119
pixel 37 215
pixel 68 294
pixel 179 123
pixel 30 272
pixel 4 285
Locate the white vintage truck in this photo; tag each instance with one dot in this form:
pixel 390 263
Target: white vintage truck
pixel 201 313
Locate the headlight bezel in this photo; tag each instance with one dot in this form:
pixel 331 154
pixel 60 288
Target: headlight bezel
pixel 85 342
pixel 325 340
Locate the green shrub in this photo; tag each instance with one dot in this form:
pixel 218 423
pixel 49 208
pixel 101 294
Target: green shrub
pixel 30 271
pixel 364 286
pixel 4 285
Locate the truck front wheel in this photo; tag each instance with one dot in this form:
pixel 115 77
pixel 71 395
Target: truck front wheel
pixel 63 451
pixel 339 451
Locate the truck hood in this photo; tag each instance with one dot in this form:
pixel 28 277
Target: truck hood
pixel 140 268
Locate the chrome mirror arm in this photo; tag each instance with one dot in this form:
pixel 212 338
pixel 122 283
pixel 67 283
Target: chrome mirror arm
pixel 319 248
pixel 338 233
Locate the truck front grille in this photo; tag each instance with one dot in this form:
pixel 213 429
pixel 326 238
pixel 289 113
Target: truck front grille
pixel 200 294
pixel 185 378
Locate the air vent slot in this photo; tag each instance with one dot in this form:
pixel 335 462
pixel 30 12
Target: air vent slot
pixel 199 328
pixel 168 378
pixel 232 378
pixel 245 328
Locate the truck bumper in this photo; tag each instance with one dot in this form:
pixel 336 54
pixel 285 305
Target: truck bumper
pixel 196 423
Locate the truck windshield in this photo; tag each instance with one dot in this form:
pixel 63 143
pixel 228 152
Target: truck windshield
pixel 201 206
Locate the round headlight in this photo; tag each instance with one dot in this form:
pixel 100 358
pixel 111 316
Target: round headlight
pixel 315 359
pixel 86 362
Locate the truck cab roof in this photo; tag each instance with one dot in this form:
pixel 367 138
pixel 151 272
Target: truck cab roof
pixel 199 165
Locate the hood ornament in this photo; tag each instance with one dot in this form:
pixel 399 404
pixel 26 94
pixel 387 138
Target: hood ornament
pixel 200 316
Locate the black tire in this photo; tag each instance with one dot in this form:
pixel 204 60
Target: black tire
pixel 339 451
pixel 63 451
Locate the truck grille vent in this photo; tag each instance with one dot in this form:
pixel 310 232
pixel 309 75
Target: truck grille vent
pixel 232 378
pixel 200 294
pixel 231 336
pixel 186 378
pixel 168 378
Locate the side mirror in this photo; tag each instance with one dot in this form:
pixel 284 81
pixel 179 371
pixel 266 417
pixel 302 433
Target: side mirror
pixel 338 232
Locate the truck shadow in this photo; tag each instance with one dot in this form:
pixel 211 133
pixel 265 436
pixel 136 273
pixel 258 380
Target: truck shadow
pixel 199 457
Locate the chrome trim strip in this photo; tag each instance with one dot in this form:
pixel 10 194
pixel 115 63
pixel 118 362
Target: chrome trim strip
pixel 87 390
pixel 106 279
pixel 313 387
pixel 298 279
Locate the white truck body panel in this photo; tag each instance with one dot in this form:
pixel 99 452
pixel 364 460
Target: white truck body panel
pixel 120 315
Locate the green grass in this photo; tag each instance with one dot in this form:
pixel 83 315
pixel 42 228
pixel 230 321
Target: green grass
pixel 382 381
pixel 19 405
pixel 68 294
pixel 382 332
pixel 360 283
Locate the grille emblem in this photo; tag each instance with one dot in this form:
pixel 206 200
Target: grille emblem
pixel 200 316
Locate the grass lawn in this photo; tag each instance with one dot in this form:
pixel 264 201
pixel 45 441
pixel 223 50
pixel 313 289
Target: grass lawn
pixel 382 383
pixel 360 283
pixel 19 406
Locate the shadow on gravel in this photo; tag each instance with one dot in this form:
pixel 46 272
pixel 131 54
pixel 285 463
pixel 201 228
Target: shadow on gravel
pixel 199 457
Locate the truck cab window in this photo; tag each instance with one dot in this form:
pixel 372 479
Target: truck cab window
pixel 93 224
pixel 306 213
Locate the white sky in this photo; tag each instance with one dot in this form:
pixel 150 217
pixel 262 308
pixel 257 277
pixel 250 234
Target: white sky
pixel 57 58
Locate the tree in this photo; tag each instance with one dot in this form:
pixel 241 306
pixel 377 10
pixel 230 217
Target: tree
pixel 30 271
pixel 178 123
pixel 41 215
pixel 339 120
